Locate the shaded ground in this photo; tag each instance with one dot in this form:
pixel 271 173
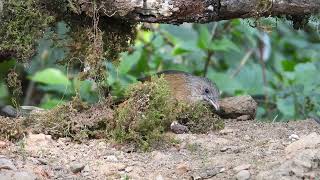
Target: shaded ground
pixel 259 149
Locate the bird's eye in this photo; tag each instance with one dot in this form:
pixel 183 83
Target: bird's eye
pixel 206 90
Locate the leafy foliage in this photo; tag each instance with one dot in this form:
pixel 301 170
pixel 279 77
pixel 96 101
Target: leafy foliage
pixel 279 68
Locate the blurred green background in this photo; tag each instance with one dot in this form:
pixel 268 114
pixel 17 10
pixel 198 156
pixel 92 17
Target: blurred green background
pixel 272 62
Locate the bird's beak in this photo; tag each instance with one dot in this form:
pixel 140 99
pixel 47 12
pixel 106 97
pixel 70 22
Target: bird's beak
pixel 214 104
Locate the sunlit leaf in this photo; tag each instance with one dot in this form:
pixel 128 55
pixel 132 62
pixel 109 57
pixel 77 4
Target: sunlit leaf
pixel 204 38
pixel 51 76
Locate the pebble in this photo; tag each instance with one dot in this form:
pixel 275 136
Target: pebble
pixel 178 128
pixel 294 137
pixel 43 161
pixel 226 131
pixel 243 175
pixel 75 168
pixel 224 149
pixel 112 158
pixel 243 118
pixel 209 173
pixel 242 167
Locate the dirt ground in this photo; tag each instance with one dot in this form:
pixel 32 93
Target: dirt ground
pixel 243 150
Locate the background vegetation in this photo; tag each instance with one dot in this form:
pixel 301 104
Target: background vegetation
pixel 267 59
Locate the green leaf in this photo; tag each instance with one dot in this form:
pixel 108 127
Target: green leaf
pixel 306 74
pixel 128 61
pixel 286 106
pixel 185 47
pixel 51 103
pixel 204 37
pixel 288 65
pixel 3 90
pixel 223 45
pixel 224 82
pixel 51 76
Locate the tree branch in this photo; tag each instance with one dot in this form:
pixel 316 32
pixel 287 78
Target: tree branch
pixel 179 11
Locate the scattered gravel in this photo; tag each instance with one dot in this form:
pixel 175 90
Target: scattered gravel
pixel 243 150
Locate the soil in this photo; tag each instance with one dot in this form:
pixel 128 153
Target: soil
pixel 241 150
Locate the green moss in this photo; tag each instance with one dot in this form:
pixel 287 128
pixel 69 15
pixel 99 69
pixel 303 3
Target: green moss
pixel 150 109
pixel 199 118
pixel 146 115
pixel 22 23
pixel 74 119
pixel 58 121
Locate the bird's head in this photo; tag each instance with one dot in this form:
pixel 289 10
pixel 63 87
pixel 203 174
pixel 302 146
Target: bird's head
pixel 204 89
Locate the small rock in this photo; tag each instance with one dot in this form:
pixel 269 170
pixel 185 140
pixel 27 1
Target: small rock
pixel 294 137
pixel 226 131
pixel 243 118
pixel 209 173
pixel 112 158
pixel 243 175
pixel 6 164
pixel 75 168
pixel 242 167
pixel 8 111
pixel 307 142
pixel 38 142
pixel 224 149
pixel 196 177
pixel 178 128
pixel 222 170
pixel 182 168
pixel 43 161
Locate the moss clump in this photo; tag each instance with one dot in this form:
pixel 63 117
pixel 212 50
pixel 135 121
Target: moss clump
pixel 12 129
pixel 22 23
pixel 74 119
pixel 199 118
pixel 142 120
pixel 146 115
pixel 150 109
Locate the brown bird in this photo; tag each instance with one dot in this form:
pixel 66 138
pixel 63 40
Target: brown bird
pixel 190 88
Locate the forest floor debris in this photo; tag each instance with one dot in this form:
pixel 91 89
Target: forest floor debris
pixel 264 156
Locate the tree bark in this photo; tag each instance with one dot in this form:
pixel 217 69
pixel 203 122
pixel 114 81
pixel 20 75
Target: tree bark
pixel 179 11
